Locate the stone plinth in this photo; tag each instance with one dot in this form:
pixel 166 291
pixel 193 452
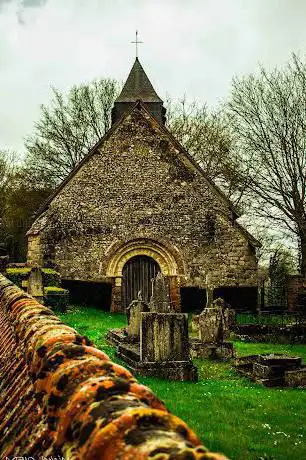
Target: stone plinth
pixel 171 370
pixel 223 350
pixel 118 336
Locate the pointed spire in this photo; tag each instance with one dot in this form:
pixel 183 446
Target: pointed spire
pixel 138 86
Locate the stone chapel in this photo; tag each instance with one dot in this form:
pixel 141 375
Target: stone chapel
pixel 138 204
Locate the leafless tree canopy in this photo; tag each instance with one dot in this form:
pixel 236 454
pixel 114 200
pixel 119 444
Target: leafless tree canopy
pixel 268 117
pixel 7 171
pixel 207 137
pixel 8 162
pixel 69 127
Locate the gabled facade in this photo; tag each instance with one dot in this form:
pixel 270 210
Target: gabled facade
pixel 138 204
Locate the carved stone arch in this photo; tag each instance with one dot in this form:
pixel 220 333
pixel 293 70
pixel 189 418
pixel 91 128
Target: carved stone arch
pixel 168 263
pixel 166 256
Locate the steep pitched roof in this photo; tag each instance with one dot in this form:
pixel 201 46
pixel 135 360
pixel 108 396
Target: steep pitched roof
pixel 138 86
pixel 182 151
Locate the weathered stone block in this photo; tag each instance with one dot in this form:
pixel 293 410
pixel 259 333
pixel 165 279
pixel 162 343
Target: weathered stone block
pixel 224 350
pixel 35 284
pixel 296 378
pixel 266 371
pixel 134 311
pixel 213 325
pixel 164 337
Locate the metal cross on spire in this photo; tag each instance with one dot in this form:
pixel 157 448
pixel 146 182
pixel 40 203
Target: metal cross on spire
pixel 137 42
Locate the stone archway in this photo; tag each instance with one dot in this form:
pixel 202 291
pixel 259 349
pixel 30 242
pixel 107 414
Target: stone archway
pixel 167 262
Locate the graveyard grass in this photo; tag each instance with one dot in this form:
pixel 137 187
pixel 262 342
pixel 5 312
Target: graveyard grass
pixel 230 414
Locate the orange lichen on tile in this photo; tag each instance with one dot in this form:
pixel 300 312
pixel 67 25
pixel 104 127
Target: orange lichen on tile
pixel 63 397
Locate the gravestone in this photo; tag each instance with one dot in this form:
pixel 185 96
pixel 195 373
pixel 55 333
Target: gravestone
pixel 134 311
pixel 214 322
pixel 160 299
pixel 213 329
pixel 164 337
pixel 212 325
pixel 156 341
pixel 35 285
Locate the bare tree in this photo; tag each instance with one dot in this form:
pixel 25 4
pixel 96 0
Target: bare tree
pixel 7 171
pixel 68 128
pixel 268 117
pixel 206 135
pixel 20 197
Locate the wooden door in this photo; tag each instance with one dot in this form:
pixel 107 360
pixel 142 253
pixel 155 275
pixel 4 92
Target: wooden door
pixel 137 274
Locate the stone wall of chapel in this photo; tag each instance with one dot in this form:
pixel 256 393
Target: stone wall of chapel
pixel 138 185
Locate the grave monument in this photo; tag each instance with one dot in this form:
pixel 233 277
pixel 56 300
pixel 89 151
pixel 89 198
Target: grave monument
pixel 273 370
pixel 155 342
pixel 213 330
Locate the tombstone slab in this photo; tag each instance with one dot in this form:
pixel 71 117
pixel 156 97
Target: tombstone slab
pixel 158 343
pixel 223 350
pixel 163 349
pixel 296 378
pixel 164 337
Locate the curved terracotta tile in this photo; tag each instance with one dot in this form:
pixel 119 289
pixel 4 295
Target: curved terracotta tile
pixel 72 400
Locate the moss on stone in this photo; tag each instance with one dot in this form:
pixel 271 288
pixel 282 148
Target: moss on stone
pixel 18 274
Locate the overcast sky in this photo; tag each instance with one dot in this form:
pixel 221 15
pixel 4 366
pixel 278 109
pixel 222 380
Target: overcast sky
pixel 191 47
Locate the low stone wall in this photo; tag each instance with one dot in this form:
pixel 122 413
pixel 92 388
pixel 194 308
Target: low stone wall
pixel 63 397
pixel 271 333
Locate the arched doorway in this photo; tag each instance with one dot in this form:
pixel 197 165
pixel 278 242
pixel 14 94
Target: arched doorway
pixel 137 275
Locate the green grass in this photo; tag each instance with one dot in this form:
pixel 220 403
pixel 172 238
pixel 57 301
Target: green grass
pixel 230 414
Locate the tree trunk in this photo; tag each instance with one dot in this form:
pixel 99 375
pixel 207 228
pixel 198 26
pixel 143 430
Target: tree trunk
pixel 303 251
